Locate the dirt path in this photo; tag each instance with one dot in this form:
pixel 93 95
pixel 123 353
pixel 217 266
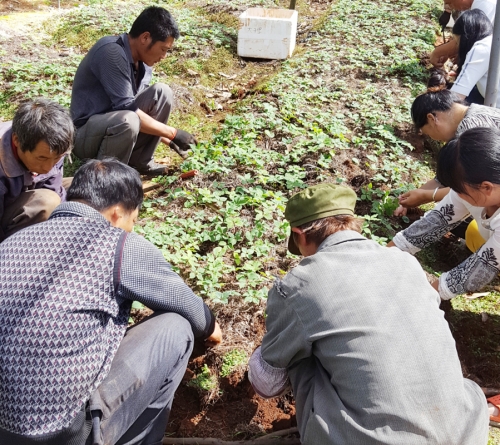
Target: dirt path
pixel 19 28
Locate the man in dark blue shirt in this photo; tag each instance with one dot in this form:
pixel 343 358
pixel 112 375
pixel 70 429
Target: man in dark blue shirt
pixel 115 111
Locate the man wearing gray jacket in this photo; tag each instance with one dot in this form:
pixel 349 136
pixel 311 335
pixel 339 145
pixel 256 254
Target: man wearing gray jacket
pixel 357 331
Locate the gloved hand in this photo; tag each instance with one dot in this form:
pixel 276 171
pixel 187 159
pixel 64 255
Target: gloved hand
pixel 183 140
pixel 444 18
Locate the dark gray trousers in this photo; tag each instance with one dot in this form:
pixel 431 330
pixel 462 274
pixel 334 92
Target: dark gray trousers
pixel 133 403
pixel 117 133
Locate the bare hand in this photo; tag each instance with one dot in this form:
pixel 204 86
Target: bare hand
pixel 437 60
pixel 216 336
pixel 415 198
pixel 400 211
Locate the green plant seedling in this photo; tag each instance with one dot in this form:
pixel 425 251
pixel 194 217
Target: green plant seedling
pixel 204 381
pixel 232 360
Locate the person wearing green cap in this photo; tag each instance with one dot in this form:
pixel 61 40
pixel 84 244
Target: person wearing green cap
pixel 355 329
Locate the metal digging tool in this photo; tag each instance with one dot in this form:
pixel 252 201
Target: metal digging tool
pixel 444 18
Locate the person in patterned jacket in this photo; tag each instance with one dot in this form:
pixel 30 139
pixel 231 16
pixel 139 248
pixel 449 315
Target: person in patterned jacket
pixel 70 370
pixel 470 166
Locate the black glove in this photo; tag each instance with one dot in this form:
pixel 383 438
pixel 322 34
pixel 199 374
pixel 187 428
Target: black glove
pixel 183 140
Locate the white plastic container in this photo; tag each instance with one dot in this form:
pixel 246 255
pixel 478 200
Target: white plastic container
pixel 267 33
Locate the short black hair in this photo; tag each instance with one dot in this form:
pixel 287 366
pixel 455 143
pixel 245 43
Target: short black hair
pixel 42 120
pixel 472 25
pixel 470 159
pixel 107 182
pixel 158 22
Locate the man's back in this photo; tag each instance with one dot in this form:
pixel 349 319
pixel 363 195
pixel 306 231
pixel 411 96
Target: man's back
pixel 60 323
pixel 364 321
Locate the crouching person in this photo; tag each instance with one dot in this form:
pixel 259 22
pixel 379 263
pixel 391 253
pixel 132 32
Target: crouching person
pixel 357 331
pixel 70 371
pixel 32 148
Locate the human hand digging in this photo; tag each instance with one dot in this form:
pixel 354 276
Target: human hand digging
pixel 400 211
pixel 216 336
pixel 181 143
pixel 411 199
pixel 415 198
pixel 184 140
pixel 437 60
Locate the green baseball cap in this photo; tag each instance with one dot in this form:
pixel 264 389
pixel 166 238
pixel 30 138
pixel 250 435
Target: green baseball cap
pixel 317 202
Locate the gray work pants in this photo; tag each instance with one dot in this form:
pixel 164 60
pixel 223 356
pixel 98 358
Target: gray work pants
pixel 133 403
pixel 117 134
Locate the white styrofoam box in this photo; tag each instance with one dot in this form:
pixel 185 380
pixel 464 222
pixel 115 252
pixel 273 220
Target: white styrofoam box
pixel 267 33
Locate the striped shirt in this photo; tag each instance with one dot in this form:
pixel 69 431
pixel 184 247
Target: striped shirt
pixel 479 116
pixel 107 80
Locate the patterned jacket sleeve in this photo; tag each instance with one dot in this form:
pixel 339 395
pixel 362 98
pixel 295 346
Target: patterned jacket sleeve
pixel 3 192
pixel 472 274
pixel 146 276
pixel 447 214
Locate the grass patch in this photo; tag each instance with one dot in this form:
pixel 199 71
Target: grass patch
pixel 232 360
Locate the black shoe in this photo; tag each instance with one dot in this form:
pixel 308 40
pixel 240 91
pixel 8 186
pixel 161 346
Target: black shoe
pixel 153 169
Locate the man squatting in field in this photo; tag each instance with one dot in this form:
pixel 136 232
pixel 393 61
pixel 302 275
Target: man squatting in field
pixel 357 331
pixel 32 148
pixel 114 110
pixel 70 371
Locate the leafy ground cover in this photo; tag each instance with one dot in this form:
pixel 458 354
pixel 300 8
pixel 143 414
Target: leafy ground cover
pixel 338 110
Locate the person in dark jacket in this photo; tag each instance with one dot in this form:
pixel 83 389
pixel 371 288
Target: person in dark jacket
pixel 116 112
pixel 32 148
pixel 70 371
